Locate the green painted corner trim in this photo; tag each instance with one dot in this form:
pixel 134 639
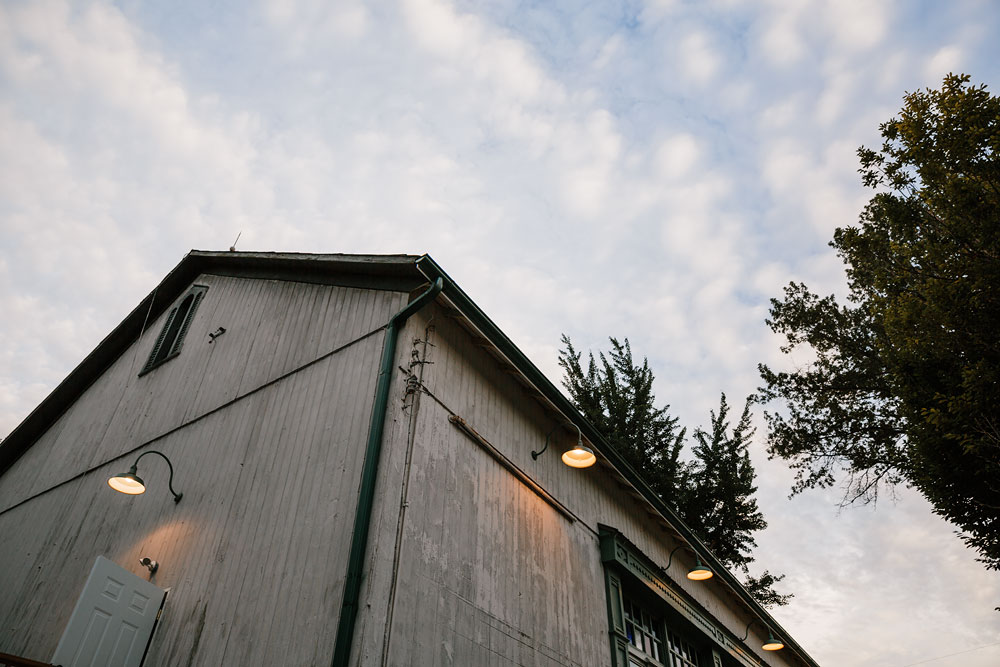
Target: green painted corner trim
pixel 617 552
pixel 616 619
pixel 369 475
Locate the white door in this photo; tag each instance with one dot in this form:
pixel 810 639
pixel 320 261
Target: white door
pixel 112 621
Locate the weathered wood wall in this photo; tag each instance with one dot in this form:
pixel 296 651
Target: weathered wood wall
pixel 489 573
pixel 466 565
pixel 255 553
pixel 272 327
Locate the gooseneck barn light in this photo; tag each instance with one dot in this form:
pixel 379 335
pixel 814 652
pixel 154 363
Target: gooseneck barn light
pixel 534 454
pixel 579 456
pixel 671 559
pixel 772 644
pixel 130 482
pixel 699 572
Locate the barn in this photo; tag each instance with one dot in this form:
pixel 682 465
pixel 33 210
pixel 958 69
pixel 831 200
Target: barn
pixel 341 460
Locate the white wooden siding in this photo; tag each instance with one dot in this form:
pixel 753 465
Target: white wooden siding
pixel 493 574
pixel 254 555
pixel 271 327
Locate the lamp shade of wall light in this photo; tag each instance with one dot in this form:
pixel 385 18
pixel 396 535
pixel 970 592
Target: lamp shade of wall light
pixel 699 572
pixel 128 482
pixel 772 644
pixel 579 456
pixel 131 484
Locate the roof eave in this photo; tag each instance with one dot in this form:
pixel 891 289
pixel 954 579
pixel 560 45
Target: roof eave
pixel 398 271
pixel 402 267
pixel 491 331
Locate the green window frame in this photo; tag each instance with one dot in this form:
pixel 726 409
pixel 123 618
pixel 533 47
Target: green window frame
pixel 646 635
pixel 652 621
pixel 643 629
pixel 681 652
pixel 175 327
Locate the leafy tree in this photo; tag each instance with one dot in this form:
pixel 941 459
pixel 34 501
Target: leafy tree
pixel 713 493
pixel 905 386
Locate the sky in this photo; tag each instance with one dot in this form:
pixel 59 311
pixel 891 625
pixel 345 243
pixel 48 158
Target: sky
pixel 651 170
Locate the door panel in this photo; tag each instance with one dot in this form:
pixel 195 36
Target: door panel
pixel 112 621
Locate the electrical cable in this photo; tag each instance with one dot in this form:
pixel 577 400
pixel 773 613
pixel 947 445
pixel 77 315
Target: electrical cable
pixel 941 657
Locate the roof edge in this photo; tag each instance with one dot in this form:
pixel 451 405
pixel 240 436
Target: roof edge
pixel 396 269
pixel 490 330
pixel 196 262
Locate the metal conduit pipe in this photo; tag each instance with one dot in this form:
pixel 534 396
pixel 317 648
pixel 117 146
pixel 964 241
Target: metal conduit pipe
pixel 369 473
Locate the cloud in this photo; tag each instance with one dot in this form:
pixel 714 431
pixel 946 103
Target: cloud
pixel 466 42
pixel 698 58
pixel 837 97
pixel 946 60
pixel 856 25
pixel 103 150
pixel 311 18
pixel 782 42
pixel 656 173
pixel 678 156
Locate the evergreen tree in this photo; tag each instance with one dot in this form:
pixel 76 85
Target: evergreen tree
pixel 719 503
pixel 616 396
pixel 713 493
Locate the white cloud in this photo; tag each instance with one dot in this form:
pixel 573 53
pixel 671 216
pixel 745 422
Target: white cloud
pixel 781 114
pixel 345 20
pixel 611 48
pixel 837 98
pixel 678 156
pixel 782 41
pixel 656 10
pixel 657 176
pixel 857 25
pixel 946 60
pixel 697 58
pixel 818 190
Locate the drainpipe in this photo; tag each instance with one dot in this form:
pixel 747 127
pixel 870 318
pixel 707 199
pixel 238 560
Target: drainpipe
pixel 366 496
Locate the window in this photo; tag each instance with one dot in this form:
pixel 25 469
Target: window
pixel 650 641
pixel 644 631
pixel 652 622
pixel 168 344
pixel 682 653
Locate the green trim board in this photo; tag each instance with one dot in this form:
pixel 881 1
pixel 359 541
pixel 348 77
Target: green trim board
pixel 623 556
pixel 616 619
